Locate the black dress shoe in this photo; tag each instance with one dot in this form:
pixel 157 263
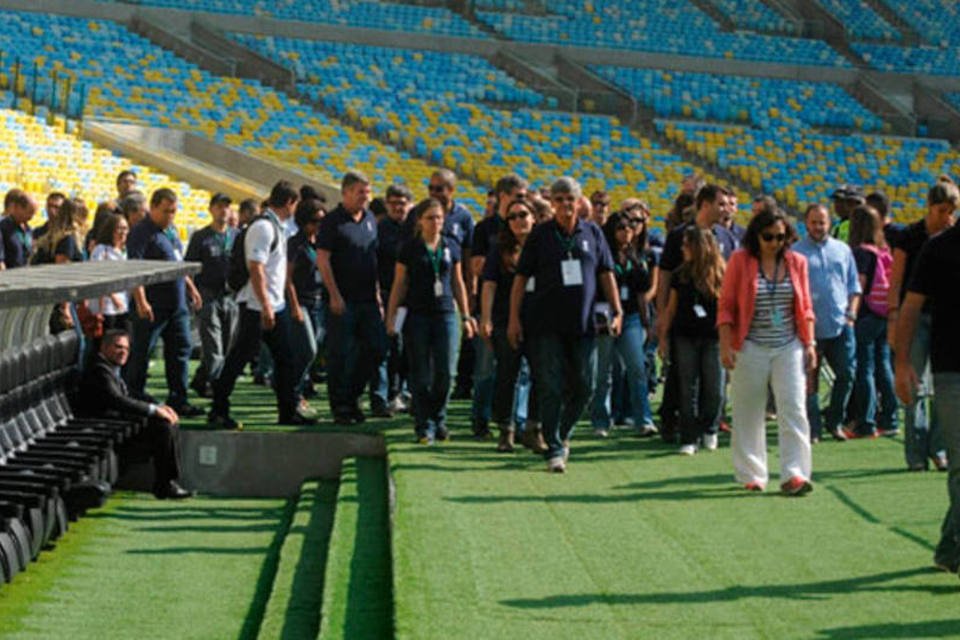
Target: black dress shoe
pixel 381 411
pixel 297 420
pixel 188 411
pixel 357 414
pixel 215 421
pixel 171 491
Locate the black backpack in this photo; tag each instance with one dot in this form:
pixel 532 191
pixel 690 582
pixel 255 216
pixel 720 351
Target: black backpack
pixel 237 272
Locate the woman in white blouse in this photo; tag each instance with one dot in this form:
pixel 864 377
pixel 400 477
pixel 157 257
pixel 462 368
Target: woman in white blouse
pixel 111 243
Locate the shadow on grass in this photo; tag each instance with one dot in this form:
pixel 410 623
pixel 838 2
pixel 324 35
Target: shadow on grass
pixel 810 591
pixel 927 629
pixel 726 493
pixel 217 551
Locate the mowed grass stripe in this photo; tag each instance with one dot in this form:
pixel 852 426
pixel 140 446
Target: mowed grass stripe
pixel 635 541
pixel 141 568
pixel 358 583
pixel 293 610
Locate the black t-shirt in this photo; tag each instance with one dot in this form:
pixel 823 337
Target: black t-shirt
pixel 672 256
pixel 696 315
pixel 910 240
pixel 633 280
pixel 68 247
pixel 485 235
pixel 867 267
pixel 391 235
pixel 353 253
pixel 302 254
pixel 17 244
pixel 559 307
pixel 212 250
pixel 495 271
pixel 424 268
pixel 936 274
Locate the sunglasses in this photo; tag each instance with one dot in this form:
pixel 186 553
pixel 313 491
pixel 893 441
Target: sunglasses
pixel 316 220
pixel 517 216
pixel 623 227
pixel 771 237
pixel 564 199
pixel 636 222
pixel 435 188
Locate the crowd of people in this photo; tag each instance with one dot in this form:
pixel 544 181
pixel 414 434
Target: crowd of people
pixel 551 307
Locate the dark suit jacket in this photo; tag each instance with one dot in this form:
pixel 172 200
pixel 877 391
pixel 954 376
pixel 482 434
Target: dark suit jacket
pixel 103 394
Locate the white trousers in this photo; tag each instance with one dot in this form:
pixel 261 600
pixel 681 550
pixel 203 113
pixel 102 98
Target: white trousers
pixel 782 368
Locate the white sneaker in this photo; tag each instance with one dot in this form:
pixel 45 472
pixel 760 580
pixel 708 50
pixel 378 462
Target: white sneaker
pixel 710 441
pixel 556 465
pixel 688 450
pixel 601 433
pixel 647 430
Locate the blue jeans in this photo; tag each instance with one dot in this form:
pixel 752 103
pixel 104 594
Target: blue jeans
pixel 524 402
pixel 565 370
pixel 174 326
pixel 873 386
pixel 355 346
pixel 431 341
pixel 701 386
pixel 390 377
pixel 628 348
pixel 947 389
pixel 303 345
pixel 249 336
pixel 484 371
pixel 840 353
pixel 923 437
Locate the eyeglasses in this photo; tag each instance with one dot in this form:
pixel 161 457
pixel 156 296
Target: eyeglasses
pixel 771 237
pixel 517 216
pixel 435 188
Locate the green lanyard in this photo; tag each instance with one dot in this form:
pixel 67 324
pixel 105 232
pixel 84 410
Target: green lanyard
pixel 567 244
pixel 26 238
pixel 436 258
pixel 620 270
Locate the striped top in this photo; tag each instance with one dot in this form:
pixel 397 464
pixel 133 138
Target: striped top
pixel 773 324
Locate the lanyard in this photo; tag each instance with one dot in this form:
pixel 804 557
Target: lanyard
pixel 620 270
pixel 436 257
pixel 26 238
pixel 771 285
pixel 567 244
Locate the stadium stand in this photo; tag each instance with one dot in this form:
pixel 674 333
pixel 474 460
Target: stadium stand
pixel 860 20
pixel 940 61
pixel 801 166
pixel 937 21
pixel 398 100
pixel 166 91
pixel 393 16
pixel 656 26
pixel 728 98
pixel 42 158
pixel 756 16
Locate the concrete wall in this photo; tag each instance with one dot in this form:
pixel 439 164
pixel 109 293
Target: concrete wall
pixel 200 160
pixel 258 464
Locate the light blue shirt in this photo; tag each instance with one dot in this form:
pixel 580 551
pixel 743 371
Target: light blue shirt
pixel 833 279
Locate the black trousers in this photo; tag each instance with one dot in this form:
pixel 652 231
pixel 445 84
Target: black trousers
pixel 163 440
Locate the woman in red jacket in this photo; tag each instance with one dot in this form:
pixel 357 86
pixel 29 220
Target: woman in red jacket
pixel 765 321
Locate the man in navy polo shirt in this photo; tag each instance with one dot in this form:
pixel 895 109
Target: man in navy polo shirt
pixel 347 258
pixel 162 308
pixel 17 239
pixel 211 247
pixel 570 260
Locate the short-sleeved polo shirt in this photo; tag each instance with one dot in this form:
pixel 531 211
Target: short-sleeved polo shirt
pixel 672 256
pixel 17 243
pixel 353 253
pixel 424 269
pixel 147 241
pixel 558 308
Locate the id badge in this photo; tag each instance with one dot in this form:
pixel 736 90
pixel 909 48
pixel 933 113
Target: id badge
pixel 777 317
pixel 531 284
pixel 624 293
pixel 571 272
pixel 699 311
pixel 318 277
pixel 438 288
pixel 177 255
